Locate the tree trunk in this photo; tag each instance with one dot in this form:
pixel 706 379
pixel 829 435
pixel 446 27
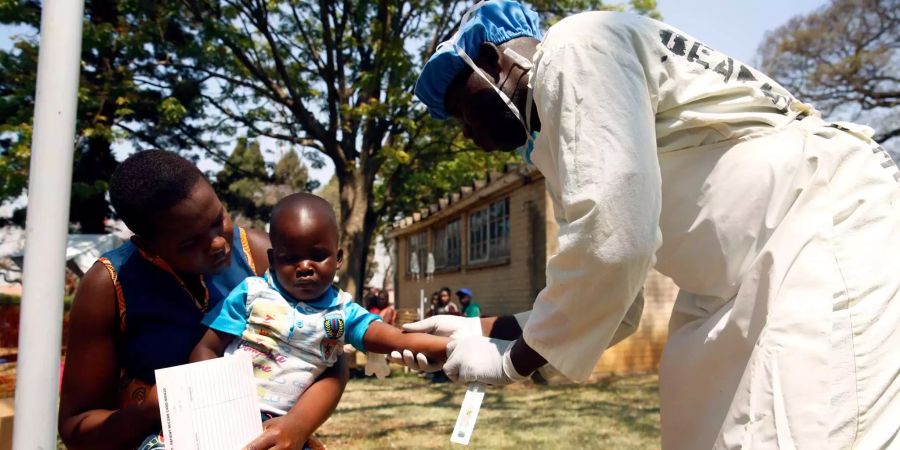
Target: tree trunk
pixel 357 227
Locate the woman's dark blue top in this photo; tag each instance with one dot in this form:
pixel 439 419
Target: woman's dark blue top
pixel 159 318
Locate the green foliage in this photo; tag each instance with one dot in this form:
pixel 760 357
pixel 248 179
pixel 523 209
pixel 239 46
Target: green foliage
pixel 245 161
pixel 17 77
pixel 14 156
pixel 6 299
pixel 291 172
pixel 646 8
pixel 248 190
pixel 171 111
pixel 129 88
pixel 15 300
pixel 844 58
pixel 242 181
pixel 332 193
pixel 552 11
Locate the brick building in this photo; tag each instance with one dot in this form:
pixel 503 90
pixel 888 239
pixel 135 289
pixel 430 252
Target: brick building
pixel 495 238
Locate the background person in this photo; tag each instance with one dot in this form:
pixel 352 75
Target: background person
pixel 445 304
pixel 435 304
pixel 445 307
pixel 469 308
pixel 371 303
pixel 388 313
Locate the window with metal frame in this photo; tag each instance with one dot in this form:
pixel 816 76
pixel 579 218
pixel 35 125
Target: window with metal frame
pixel 447 244
pixel 489 232
pixel 418 246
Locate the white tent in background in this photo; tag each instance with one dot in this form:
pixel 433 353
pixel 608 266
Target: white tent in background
pixel 82 250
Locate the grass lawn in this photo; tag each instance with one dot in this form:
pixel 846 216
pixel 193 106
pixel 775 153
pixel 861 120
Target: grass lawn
pixel 405 411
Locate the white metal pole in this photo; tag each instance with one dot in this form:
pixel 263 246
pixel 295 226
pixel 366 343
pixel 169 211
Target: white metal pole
pixel 46 227
pixel 421 304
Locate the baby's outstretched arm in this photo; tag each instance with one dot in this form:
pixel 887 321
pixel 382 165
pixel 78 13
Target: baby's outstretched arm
pixel 212 345
pixel 383 338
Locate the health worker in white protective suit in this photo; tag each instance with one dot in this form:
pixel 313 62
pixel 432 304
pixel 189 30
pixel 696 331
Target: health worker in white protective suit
pixel 782 230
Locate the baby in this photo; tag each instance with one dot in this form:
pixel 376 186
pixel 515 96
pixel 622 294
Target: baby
pixel 293 322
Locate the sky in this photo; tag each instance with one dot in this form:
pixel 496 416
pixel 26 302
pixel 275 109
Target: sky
pixel 733 27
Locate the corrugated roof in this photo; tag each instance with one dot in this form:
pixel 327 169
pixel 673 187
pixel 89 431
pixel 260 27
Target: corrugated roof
pixel 465 195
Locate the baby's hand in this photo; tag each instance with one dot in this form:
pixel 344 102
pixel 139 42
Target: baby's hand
pixel 277 435
pixel 376 364
pixel 415 361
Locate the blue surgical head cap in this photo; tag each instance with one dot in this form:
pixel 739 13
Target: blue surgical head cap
pixel 496 21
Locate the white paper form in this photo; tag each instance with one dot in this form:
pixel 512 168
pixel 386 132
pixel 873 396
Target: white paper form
pixel 209 405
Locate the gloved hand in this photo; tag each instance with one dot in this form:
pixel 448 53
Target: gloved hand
pixel 415 361
pixel 376 364
pixel 447 326
pixel 443 325
pixel 480 359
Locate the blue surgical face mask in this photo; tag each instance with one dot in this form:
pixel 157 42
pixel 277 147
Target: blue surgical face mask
pixel 526 149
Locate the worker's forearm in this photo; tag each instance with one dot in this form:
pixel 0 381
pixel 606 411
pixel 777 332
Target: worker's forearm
pixel 525 359
pixel 105 429
pixel 503 327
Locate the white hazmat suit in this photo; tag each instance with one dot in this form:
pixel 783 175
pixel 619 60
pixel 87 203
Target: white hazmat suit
pixel 782 231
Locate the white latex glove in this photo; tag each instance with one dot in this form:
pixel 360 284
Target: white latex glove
pixel 376 364
pixel 480 359
pixel 446 326
pixel 415 361
pixel 443 325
